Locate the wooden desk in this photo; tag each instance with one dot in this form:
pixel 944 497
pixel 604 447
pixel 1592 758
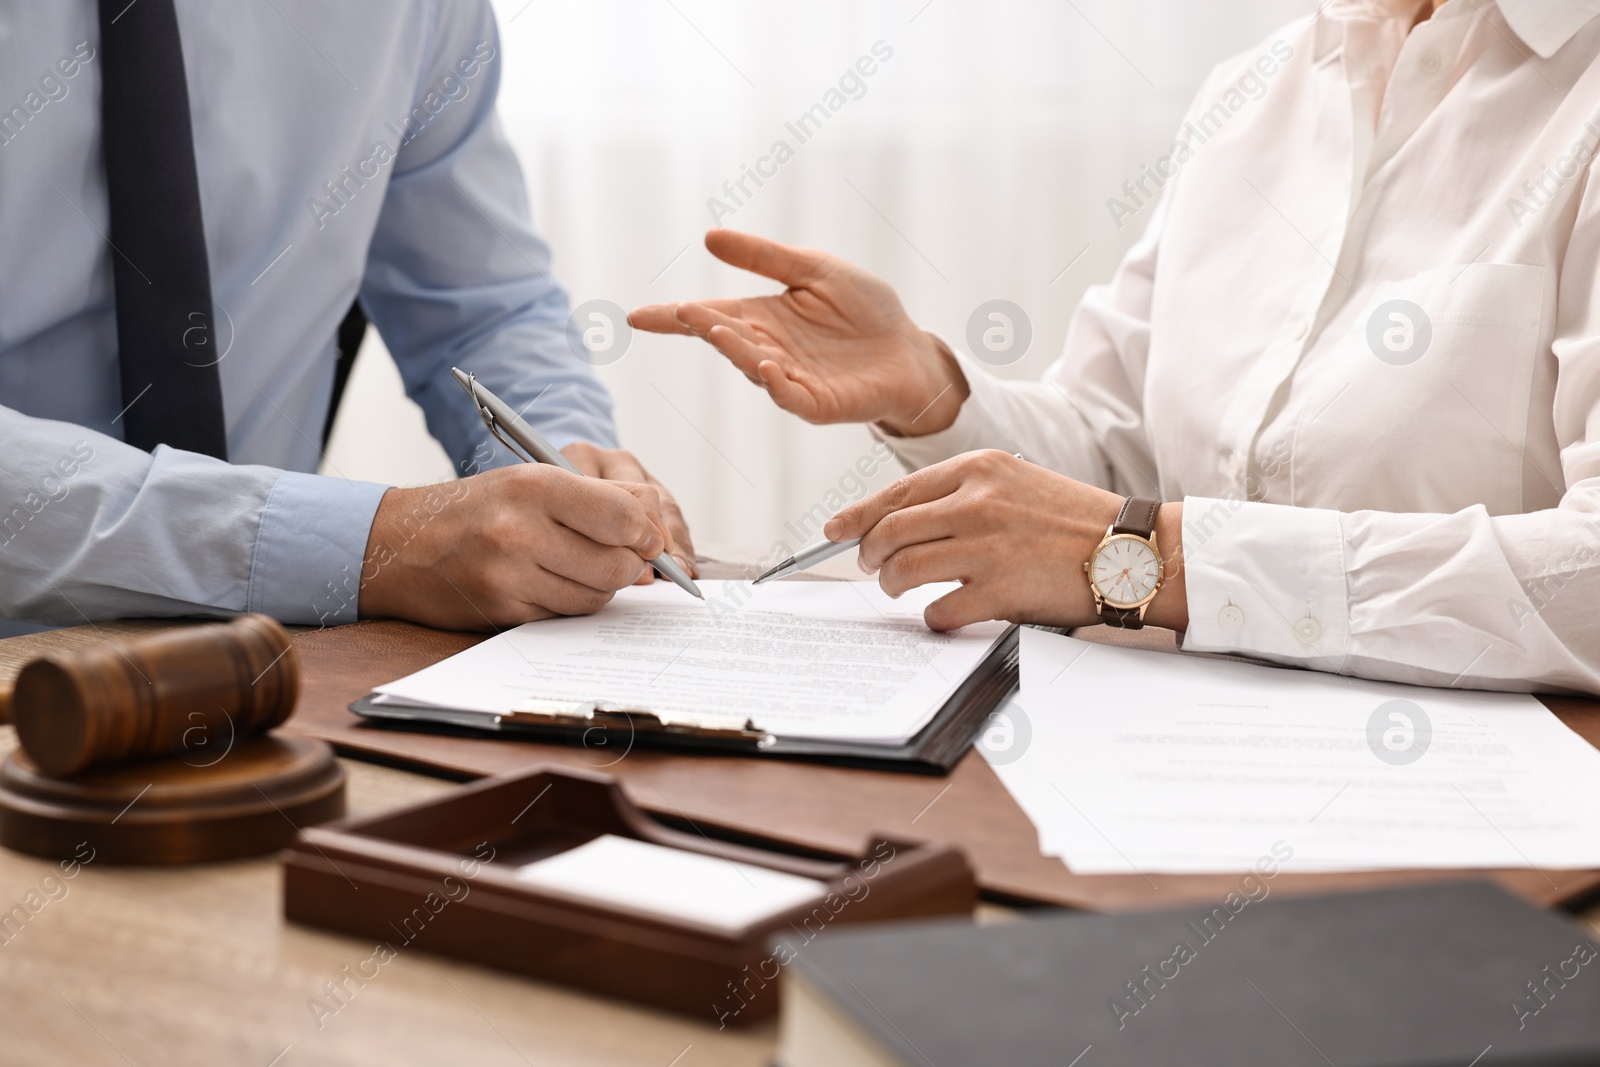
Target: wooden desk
pixel 196 965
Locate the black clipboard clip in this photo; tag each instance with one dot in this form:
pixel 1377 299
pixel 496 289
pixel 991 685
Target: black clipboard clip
pixel 591 714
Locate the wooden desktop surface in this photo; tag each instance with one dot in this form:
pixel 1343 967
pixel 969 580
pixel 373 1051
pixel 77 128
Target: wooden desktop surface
pixel 196 965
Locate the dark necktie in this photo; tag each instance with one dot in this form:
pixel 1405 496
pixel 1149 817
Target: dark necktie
pixel 165 335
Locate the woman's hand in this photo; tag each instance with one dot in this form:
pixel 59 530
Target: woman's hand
pixel 835 346
pixel 1015 535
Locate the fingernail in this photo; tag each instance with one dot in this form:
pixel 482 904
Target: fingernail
pixel 832 528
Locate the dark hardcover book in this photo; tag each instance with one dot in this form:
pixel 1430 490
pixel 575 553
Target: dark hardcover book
pixel 1454 975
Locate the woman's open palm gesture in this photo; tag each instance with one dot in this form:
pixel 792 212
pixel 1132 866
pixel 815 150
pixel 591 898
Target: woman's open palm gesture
pixel 834 346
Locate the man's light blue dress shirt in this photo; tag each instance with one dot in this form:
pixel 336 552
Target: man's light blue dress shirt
pixel 343 148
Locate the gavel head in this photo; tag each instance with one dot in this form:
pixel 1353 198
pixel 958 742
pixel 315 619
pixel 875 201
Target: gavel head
pixel 190 691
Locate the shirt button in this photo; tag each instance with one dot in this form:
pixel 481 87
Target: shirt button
pixel 1431 63
pixel 1301 328
pixel 1231 616
pixel 1308 630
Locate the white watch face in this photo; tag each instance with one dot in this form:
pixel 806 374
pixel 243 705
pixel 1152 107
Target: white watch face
pixel 1126 571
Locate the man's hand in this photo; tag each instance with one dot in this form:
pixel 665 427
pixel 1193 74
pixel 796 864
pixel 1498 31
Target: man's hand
pixel 1015 535
pixel 508 546
pixel 618 465
pixel 835 346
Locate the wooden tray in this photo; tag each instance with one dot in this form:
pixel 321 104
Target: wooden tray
pixel 440 875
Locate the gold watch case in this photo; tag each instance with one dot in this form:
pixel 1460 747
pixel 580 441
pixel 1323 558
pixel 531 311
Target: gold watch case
pixel 1100 598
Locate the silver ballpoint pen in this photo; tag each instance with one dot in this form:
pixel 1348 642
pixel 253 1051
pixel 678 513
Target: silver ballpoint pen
pixel 813 554
pixel 808 557
pixel 531 447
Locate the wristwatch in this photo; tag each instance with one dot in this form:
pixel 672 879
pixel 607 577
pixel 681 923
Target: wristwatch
pixel 1125 570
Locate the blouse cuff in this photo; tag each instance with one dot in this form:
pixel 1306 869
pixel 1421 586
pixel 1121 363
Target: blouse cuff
pixel 1266 580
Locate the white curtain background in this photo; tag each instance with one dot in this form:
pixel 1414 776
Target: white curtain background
pixel 976 165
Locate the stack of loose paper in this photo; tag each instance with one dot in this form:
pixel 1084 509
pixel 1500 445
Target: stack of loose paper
pixel 1131 761
pixel 834 660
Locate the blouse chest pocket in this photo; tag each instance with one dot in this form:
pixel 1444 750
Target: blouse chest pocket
pixel 1425 404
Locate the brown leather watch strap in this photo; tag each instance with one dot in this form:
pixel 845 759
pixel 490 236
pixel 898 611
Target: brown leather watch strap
pixel 1121 618
pixel 1137 517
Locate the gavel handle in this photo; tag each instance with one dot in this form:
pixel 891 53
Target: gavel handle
pixel 5 702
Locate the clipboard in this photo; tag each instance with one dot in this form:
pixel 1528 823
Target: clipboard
pixel 600 726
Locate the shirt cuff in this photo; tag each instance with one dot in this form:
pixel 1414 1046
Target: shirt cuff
pixel 974 427
pixel 1266 580
pixel 310 547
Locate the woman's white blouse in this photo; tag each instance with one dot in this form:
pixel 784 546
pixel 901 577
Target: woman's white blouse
pixel 1360 339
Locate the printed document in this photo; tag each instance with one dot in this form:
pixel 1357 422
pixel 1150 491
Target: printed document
pixel 1133 761
pixel 836 660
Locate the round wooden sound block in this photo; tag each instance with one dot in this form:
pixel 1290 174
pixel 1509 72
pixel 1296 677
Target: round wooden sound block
pixel 250 801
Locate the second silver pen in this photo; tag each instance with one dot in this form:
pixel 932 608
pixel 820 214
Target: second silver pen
pixel 808 557
pixel 813 554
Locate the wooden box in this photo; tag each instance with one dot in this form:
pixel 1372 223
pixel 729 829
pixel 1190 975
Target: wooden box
pixel 439 876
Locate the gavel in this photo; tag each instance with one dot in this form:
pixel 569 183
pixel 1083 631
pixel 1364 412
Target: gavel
pixel 189 690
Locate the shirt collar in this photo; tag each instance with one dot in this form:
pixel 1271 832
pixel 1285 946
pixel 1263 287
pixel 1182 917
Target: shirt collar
pixel 1546 25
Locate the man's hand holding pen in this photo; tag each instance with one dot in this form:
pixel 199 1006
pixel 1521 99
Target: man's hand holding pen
pixel 558 536
pixel 509 546
pixel 620 465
